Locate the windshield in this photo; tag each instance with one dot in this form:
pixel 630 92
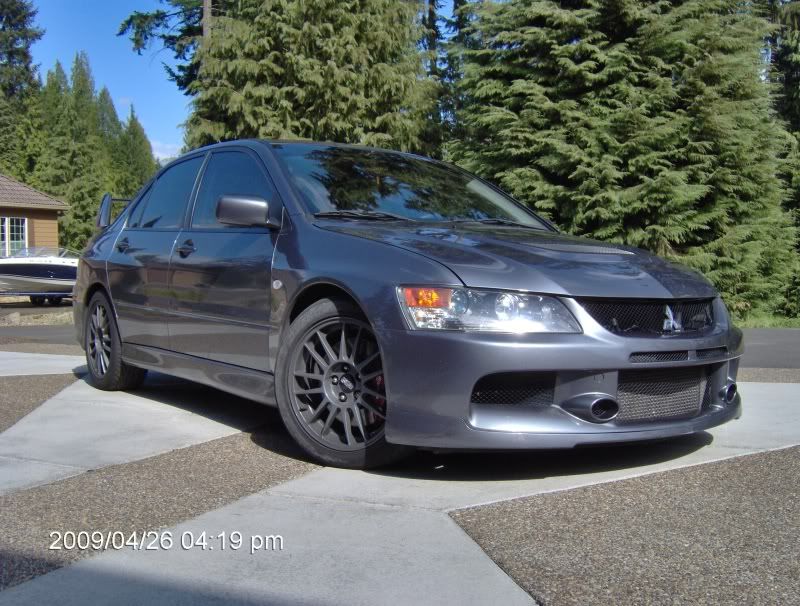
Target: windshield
pixel 332 179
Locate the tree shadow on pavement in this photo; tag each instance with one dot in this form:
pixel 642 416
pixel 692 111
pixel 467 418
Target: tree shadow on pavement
pixel 266 428
pixel 262 422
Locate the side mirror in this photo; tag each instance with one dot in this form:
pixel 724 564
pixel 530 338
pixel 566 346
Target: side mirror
pixel 247 211
pixel 104 212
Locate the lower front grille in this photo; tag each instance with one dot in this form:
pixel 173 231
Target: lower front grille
pixel 646 396
pixel 516 388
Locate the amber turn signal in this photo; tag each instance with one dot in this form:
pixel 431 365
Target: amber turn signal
pixel 436 298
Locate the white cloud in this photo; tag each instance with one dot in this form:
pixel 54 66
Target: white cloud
pixel 164 151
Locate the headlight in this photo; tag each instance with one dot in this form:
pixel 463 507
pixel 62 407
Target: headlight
pixel 484 310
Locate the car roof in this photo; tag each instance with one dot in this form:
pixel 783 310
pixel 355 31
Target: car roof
pixel 253 143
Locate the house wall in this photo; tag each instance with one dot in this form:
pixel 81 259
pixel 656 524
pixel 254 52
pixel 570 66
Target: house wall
pixel 42 224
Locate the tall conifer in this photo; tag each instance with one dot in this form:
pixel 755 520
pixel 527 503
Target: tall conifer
pixel 344 70
pixel 643 123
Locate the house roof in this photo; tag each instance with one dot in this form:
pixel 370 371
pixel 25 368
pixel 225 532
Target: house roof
pixel 18 195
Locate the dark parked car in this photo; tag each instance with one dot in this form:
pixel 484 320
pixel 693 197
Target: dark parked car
pixel 384 301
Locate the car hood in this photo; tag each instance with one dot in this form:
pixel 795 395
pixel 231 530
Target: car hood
pixel 506 257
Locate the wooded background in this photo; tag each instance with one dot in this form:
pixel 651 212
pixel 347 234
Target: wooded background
pixel 671 125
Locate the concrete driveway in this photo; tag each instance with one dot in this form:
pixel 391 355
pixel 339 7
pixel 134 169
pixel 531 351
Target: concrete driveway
pixel 185 461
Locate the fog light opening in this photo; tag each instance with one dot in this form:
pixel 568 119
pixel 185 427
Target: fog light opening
pixel 604 409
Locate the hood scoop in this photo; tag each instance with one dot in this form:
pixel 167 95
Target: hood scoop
pixel 594 249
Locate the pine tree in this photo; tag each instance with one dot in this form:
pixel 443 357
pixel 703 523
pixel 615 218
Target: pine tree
pixel 18 79
pixel 83 94
pixel 108 123
pixel 17 35
pixel 54 91
pixel 643 123
pixel 458 41
pixel 343 70
pixel 432 135
pixel 8 137
pixel 30 136
pixel 135 157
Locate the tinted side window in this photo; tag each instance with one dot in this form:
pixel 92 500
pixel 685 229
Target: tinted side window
pixel 169 196
pixel 229 174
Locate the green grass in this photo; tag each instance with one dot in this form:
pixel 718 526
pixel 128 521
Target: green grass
pixel 766 321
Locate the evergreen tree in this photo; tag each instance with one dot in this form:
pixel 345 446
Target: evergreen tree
pixel 57 166
pixel 135 159
pixel 17 35
pixel 643 123
pixel 432 135
pixel 344 70
pixel 8 137
pixel 108 124
pixel 54 92
pixel 18 80
pixel 458 41
pixel 83 96
pixel 30 136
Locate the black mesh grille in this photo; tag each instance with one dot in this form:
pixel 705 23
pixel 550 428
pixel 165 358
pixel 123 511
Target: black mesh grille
pixel 643 318
pixel 660 395
pixel 518 388
pixel 716 352
pixel 659 356
pixel 707 397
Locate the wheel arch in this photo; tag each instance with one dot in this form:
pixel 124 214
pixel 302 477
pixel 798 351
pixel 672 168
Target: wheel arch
pixel 316 291
pixel 94 288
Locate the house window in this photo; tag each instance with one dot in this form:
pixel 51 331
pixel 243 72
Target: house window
pixel 13 235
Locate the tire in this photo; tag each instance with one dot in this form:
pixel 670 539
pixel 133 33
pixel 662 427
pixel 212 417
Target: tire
pixel 55 301
pixel 103 349
pixel 37 301
pixel 311 398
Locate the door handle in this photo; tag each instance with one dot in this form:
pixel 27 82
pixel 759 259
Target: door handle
pixel 123 245
pixel 186 249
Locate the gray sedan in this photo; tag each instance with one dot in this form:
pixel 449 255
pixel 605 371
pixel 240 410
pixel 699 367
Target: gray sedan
pixel 384 301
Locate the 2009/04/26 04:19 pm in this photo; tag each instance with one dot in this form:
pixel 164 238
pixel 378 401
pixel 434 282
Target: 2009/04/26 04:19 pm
pixel 154 540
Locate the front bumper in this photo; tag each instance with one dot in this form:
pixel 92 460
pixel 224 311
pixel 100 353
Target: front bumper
pixel 431 376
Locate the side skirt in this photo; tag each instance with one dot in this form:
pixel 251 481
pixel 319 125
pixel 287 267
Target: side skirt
pixel 245 382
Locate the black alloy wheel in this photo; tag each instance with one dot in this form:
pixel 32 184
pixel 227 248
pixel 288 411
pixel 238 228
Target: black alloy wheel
pixel 331 387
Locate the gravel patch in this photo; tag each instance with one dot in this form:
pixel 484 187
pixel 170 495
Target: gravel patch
pixel 719 533
pixel 21 395
pixel 15 318
pixel 23 345
pixel 143 495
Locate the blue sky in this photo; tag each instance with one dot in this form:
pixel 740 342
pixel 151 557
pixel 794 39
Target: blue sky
pixel 91 26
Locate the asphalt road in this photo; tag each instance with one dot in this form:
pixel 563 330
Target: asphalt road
pixel 58 335
pixel 771 348
pixel 24 308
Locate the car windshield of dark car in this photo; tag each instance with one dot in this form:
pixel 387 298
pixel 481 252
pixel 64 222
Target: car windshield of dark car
pixel 352 180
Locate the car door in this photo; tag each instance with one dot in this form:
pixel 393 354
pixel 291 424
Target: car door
pixel 220 274
pixel 138 266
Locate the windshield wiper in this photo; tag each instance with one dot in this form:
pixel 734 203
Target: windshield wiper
pixel 371 215
pixel 497 221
